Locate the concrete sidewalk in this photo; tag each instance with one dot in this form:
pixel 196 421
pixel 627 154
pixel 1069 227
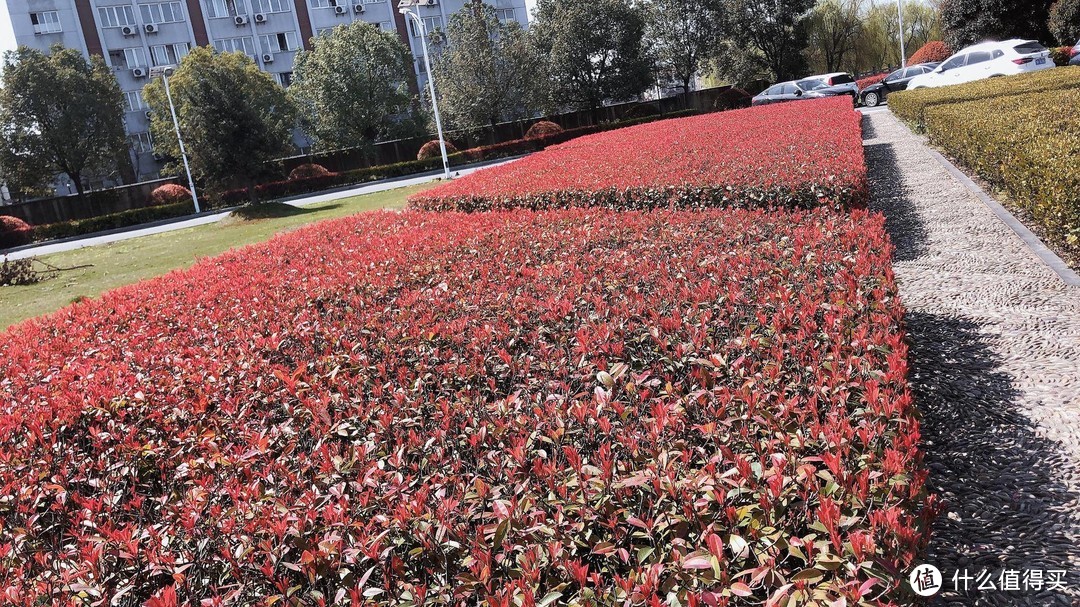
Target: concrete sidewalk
pixel 170 226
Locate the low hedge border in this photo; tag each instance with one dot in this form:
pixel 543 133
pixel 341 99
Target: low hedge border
pixel 124 219
pixel 911 106
pixel 1026 145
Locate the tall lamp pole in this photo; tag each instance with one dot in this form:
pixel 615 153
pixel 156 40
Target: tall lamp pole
pixel 403 8
pixel 900 17
pixel 164 71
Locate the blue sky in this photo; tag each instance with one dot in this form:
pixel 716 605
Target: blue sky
pixel 7 38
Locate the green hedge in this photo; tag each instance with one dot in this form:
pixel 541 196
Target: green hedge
pixel 912 105
pixel 1027 145
pixel 124 219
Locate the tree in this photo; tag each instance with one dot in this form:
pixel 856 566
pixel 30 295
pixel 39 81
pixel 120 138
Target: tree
pixel 485 72
pixel 833 31
pixel 682 34
pixel 1065 21
pixel 351 85
pixel 593 49
pixel 774 28
pixel 59 113
pixel 234 118
pixel 879 42
pixel 965 22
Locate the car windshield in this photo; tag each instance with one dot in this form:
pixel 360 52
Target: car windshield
pixel 811 85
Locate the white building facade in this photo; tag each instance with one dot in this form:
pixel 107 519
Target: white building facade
pixel 134 35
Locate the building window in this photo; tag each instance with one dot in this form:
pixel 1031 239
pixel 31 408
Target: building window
pixel 328 3
pixel 116 16
pixel 168 54
pixel 47 22
pixel 269 6
pixel 142 143
pixel 226 8
pixel 506 15
pixel 323 31
pixel 243 44
pixel 130 57
pixel 164 12
pixel 135 101
pixel 284 78
pixel 430 25
pixel 374 1
pixel 276 43
pixel 387 26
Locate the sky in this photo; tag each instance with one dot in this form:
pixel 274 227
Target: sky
pixel 7 37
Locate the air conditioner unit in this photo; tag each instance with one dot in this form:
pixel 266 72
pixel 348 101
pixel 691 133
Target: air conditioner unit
pixel 128 30
pixel 260 17
pixel 340 10
pixel 240 19
pixel 428 2
pixel 151 28
pixel 149 114
pixel 139 72
pixel 268 57
pixel 157 157
pixel 358 8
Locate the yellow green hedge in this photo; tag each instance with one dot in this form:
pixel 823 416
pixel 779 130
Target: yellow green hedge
pixel 1027 145
pixel 912 105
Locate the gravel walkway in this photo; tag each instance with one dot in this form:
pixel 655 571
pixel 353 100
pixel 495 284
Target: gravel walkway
pixel 996 372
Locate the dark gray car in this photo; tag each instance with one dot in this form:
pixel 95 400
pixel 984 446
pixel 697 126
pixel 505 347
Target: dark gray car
pixel 1075 60
pixel 792 90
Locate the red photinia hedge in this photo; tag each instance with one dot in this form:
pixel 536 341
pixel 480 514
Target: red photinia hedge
pixel 803 154
pixel 308 171
pixel 543 128
pixel 433 149
pixel 935 50
pixel 870 80
pixel 572 407
pixel 170 193
pixel 14 232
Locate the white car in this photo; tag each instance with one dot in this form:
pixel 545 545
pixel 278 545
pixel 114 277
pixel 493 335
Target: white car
pixel 986 60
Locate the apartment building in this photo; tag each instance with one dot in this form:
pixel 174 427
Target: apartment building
pixel 133 35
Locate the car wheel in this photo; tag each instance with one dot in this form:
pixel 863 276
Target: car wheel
pixel 871 100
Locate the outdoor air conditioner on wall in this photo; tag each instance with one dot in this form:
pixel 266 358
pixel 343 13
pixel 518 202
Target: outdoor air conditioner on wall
pixel 151 28
pixel 240 20
pixel 340 10
pixel 139 72
pixel 148 114
pixel 358 8
pixel 128 30
pixel 268 57
pixel 260 17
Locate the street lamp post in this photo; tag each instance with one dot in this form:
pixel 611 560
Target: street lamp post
pixel 164 71
pixel 900 18
pixel 403 8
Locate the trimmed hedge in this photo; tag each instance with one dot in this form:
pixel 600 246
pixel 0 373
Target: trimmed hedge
pixel 935 50
pixel 542 128
pixel 114 221
pixel 14 232
pixel 170 193
pixel 1027 145
pixel 912 105
pixel 307 171
pixel 871 80
pixel 432 149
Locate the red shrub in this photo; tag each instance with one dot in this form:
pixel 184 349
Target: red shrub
pixel 871 80
pixel 802 154
pixel 170 193
pixel 935 50
pixel 431 150
pixel 307 171
pixel 542 128
pixel 470 409
pixel 14 232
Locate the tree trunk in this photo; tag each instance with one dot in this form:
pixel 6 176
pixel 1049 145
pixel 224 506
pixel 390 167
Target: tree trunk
pixel 76 178
pixel 253 193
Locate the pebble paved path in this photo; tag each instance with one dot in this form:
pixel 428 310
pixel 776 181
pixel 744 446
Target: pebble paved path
pixel 995 370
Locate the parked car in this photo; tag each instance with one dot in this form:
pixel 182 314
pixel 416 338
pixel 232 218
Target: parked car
pixel 986 60
pixel 877 93
pixel 1075 55
pixel 842 82
pixel 791 90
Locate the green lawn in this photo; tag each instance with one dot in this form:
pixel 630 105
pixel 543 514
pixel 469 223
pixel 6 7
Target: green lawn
pixel 120 263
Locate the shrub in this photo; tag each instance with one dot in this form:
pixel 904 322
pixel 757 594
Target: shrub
pixel 732 99
pixel 307 171
pixel 15 272
pixel 448 409
pixel 1061 55
pixel 933 51
pixel 114 221
pixel 641 110
pixel 542 129
pixel 432 149
pixel 170 193
pixel 862 83
pixel 911 105
pixel 14 232
pixel 725 159
pixel 1027 146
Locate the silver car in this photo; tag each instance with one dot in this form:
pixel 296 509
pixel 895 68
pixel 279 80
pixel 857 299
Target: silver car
pixel 792 90
pixel 840 82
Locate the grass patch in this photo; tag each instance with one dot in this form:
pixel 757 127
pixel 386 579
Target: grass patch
pixel 121 263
